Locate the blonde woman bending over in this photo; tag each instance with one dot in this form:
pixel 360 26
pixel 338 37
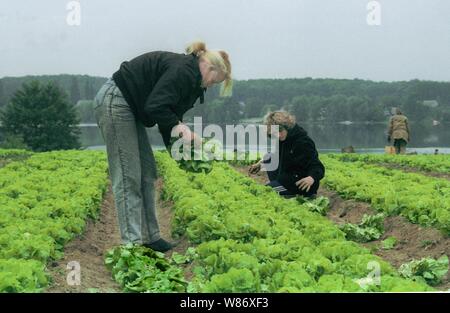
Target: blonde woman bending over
pixel 154 88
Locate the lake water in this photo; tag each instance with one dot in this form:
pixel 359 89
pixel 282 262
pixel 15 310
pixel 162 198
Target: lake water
pixel 365 138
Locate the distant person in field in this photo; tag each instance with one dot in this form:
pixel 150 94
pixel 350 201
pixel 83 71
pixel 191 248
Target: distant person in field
pixel 299 171
pixel 154 88
pixel 399 131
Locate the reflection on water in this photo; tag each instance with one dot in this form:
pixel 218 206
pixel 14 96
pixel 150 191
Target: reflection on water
pixel 370 138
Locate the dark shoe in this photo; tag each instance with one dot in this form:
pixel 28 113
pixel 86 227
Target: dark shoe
pixel 160 245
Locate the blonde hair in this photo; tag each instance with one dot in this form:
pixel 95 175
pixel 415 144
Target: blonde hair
pixel 280 118
pixel 219 59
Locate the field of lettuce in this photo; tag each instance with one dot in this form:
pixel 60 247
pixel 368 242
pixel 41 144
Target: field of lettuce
pixel 45 200
pixel 421 199
pixel 430 163
pixel 239 235
pixel 248 239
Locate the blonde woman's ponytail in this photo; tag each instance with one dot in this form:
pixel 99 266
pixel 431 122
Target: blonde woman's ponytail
pixel 219 59
pixel 197 47
pixel 226 89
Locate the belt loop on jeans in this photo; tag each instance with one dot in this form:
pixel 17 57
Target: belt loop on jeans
pixel 106 92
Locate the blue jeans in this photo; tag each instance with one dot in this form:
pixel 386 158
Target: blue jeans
pixel 276 185
pixel 132 166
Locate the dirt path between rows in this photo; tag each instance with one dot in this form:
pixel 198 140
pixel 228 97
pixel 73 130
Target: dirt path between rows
pixel 409 169
pixel 89 249
pixel 6 160
pixel 165 218
pixel 3 162
pixel 414 241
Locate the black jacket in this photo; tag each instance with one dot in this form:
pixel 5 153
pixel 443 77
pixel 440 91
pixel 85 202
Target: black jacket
pixel 160 87
pixel 298 158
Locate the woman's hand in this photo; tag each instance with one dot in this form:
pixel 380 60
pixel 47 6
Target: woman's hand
pixel 187 134
pixel 255 168
pixel 305 183
pixel 196 139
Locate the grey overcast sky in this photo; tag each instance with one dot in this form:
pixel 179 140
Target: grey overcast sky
pixel 265 38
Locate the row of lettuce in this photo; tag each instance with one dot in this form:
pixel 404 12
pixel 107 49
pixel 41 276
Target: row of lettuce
pixel 430 163
pixel 45 201
pixel 251 240
pixel 421 199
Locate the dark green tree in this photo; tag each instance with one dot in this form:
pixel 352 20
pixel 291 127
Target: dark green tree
pixel 43 117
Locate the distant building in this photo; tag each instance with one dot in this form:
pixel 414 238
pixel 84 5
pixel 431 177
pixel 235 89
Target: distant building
pixel 431 103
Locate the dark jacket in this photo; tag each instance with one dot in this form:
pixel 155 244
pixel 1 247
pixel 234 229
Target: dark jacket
pixel 298 159
pixel 160 87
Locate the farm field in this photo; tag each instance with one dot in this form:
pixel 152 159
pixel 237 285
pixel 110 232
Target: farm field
pixel 432 165
pixel 235 234
pixel 421 199
pixel 45 200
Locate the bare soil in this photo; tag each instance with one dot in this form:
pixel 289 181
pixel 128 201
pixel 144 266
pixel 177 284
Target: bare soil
pixel 409 169
pixel 89 249
pixel 3 162
pixel 165 218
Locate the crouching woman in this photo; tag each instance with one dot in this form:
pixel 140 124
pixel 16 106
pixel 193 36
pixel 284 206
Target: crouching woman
pixel 299 169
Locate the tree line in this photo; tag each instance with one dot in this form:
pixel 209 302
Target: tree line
pixel 31 106
pixel 311 100
pixel 328 100
pixel 77 87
